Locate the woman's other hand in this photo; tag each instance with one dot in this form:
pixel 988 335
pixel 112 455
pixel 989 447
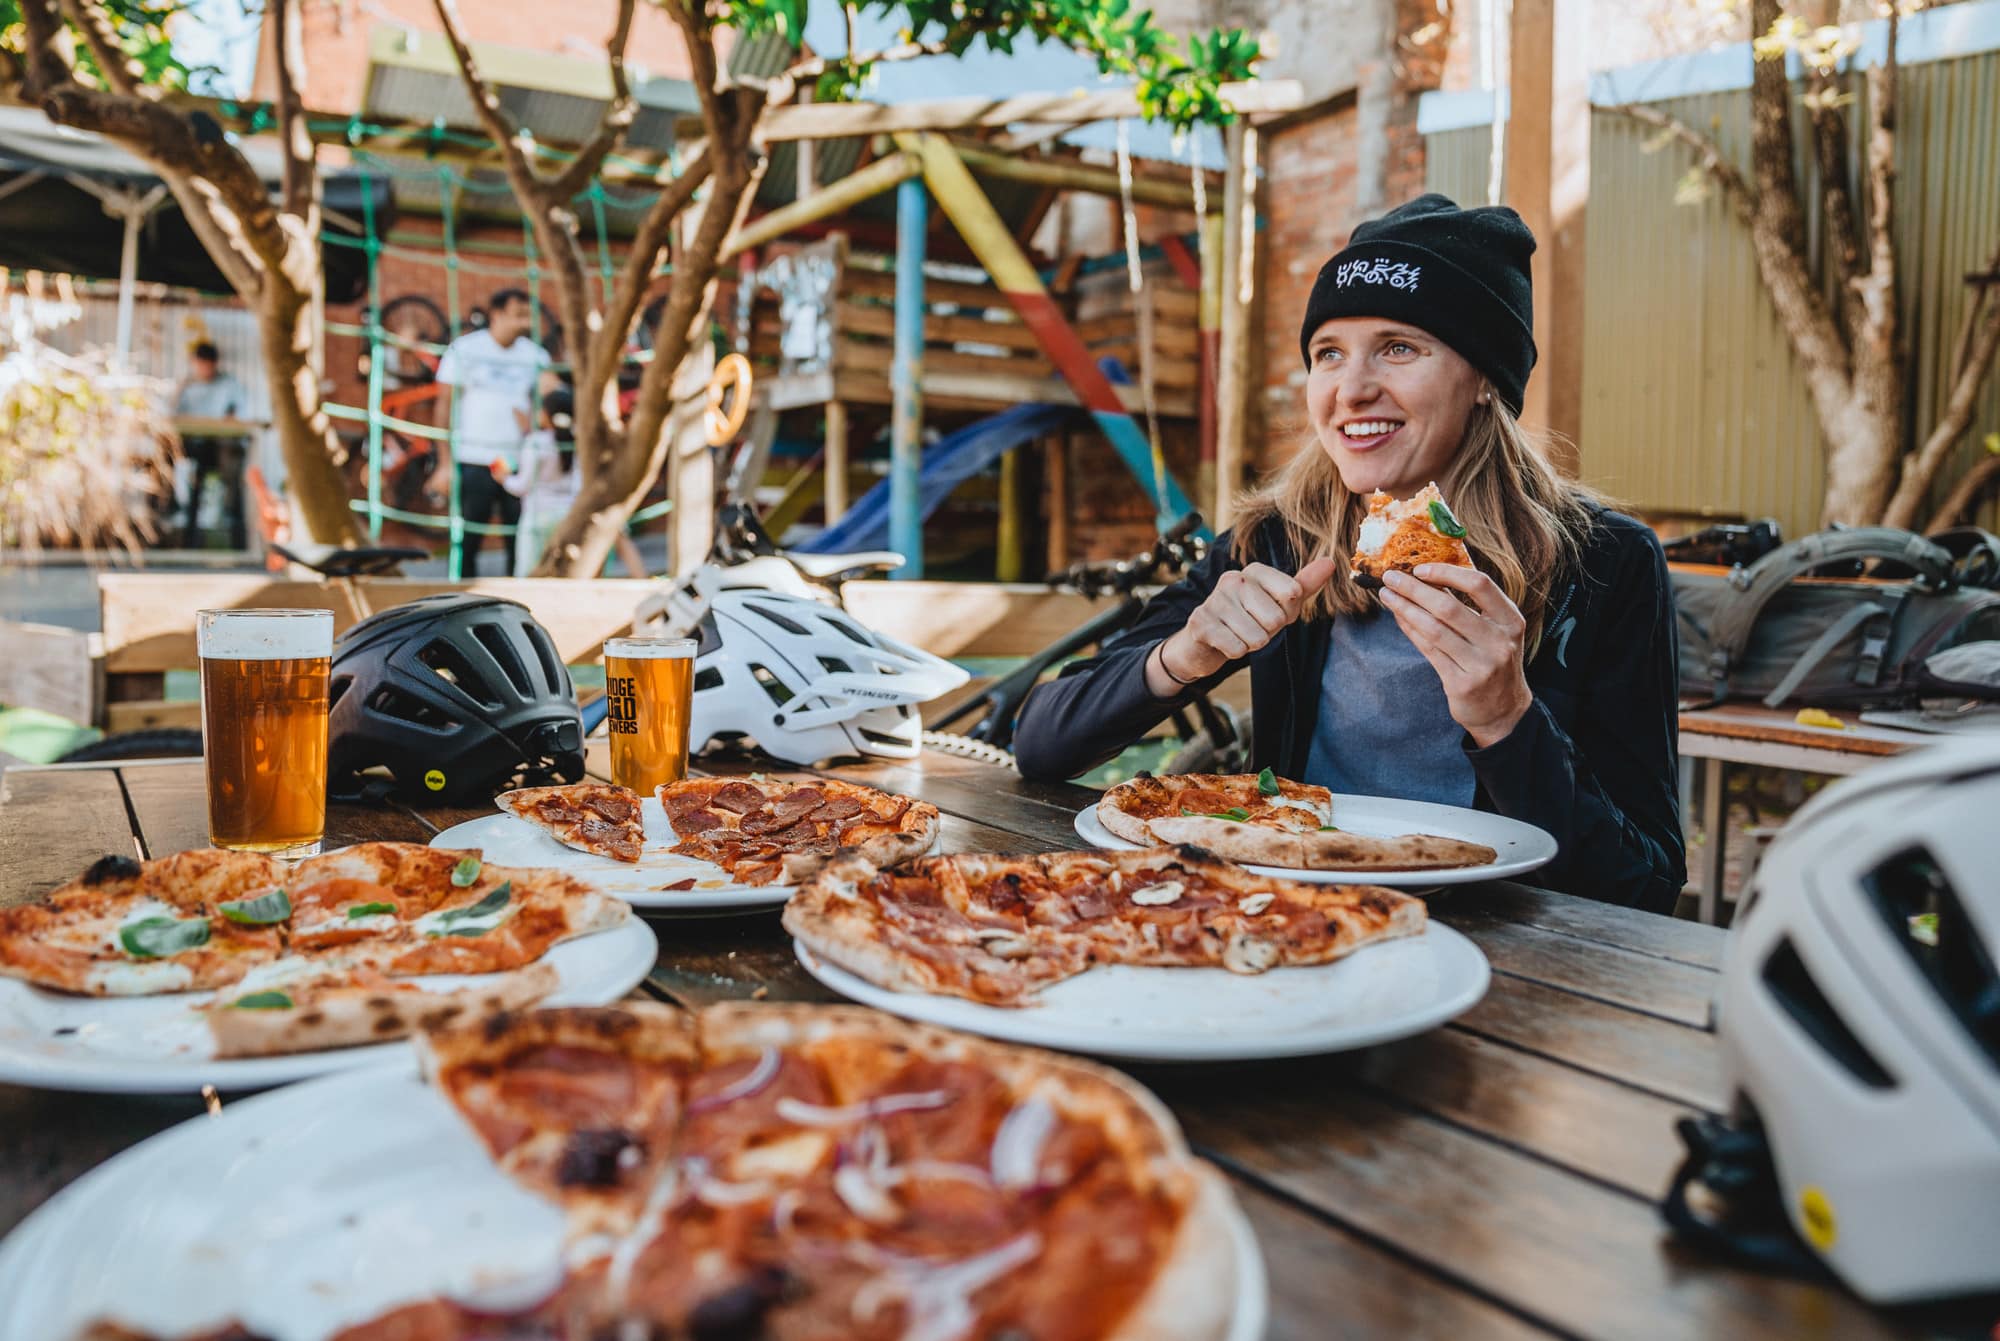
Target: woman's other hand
pixel 1476 648
pixel 1248 607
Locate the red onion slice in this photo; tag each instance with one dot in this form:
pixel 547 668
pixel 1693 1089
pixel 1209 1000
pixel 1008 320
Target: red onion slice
pixel 1017 1146
pixel 817 1115
pixel 859 1191
pixel 745 1085
pixel 938 1296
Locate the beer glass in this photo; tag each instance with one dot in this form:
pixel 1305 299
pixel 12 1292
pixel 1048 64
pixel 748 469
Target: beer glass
pixel 650 683
pixel 263 720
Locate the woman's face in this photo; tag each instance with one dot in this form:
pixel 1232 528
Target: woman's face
pixel 1389 402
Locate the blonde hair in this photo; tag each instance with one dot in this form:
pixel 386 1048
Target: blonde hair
pixel 1525 523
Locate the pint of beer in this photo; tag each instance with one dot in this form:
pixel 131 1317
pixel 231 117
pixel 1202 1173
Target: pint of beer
pixel 263 718
pixel 650 682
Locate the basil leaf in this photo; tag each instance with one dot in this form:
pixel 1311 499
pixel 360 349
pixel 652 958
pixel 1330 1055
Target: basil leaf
pixel 261 911
pixel 1236 813
pixel 1267 783
pixel 262 1001
pixel 1329 828
pixel 369 910
pixel 450 922
pixel 1443 522
pixel 466 872
pixel 157 937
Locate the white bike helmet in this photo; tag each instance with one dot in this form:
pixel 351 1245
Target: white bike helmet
pixel 1859 1024
pixel 806 683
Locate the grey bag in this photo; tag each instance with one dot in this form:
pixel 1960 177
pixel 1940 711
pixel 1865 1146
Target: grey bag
pixel 1774 631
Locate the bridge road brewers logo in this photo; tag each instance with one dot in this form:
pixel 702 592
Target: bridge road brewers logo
pixel 1396 274
pixel 622 695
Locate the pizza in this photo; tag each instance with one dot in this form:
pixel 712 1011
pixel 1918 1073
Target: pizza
pixel 1269 821
pixel 830 1174
pixel 593 817
pixel 998 929
pixel 766 832
pixel 1400 534
pixel 325 953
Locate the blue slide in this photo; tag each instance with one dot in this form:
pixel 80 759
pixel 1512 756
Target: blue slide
pixel 947 463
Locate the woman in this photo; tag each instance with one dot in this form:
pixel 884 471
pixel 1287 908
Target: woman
pixel 1540 685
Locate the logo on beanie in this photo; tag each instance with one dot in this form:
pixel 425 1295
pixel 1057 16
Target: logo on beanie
pixel 1396 274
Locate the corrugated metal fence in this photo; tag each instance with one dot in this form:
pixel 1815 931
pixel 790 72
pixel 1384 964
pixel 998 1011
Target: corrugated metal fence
pixel 1692 402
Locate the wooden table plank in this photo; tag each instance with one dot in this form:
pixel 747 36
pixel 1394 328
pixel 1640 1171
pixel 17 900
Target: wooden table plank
pixel 1647 983
pixel 59 820
pixel 170 803
pixel 1572 1254
pixel 1327 1282
pixel 1627 928
pixel 55 1137
pixel 1674 1061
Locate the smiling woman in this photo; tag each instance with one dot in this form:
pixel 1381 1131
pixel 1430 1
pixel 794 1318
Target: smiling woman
pixel 1538 683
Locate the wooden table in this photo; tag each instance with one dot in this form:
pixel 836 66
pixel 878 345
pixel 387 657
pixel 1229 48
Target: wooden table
pixel 1494 1178
pixel 1742 733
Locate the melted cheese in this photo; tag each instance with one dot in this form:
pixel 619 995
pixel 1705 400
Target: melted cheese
pixel 1375 533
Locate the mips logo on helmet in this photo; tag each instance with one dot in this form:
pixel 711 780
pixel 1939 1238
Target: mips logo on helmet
pixel 434 779
pixel 1396 274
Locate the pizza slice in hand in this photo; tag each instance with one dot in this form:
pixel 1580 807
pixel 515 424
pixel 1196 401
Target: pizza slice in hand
pixel 1399 534
pixel 593 817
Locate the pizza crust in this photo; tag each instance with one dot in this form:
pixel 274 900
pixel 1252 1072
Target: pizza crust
pixel 341 1015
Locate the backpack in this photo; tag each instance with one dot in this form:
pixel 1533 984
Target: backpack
pixel 1776 630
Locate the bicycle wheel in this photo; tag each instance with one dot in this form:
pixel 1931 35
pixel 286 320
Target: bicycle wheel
pixel 164 743
pixel 417 319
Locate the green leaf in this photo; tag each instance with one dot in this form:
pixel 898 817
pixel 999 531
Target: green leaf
pixel 1443 522
pixel 455 922
pixel 466 872
pixel 1237 813
pixel 1267 782
pixel 157 937
pixel 262 1001
pixel 262 911
pixel 369 910
pixel 1329 828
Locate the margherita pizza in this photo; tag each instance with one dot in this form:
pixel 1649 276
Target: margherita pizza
pixel 593 817
pixel 1269 821
pixel 1400 534
pixel 314 956
pixel 765 832
pixel 998 929
pixel 829 1174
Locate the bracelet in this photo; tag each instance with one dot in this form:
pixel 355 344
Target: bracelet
pixel 1161 648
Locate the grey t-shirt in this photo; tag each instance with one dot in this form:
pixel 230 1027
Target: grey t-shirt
pixel 1385 728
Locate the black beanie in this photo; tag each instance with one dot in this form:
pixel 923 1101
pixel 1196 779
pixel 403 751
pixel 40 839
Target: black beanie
pixel 1460 274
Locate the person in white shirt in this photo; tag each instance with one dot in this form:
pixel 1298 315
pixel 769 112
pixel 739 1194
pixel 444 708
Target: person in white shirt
pixel 492 375
pixel 210 393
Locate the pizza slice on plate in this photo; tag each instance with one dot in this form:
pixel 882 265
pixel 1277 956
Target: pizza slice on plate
pixel 314 1008
pixel 766 832
pixel 593 817
pixel 1269 821
pixel 1399 534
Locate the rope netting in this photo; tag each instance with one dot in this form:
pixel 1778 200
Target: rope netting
pixel 386 347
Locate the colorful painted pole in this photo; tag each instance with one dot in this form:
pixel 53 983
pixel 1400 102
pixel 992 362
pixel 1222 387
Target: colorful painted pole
pixel 981 227
pixel 1210 322
pixel 906 380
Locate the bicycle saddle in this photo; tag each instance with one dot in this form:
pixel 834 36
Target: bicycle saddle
pixel 819 567
pixel 361 561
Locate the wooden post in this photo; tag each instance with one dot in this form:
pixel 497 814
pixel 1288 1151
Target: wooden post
pixel 690 464
pixel 1010 559
pixel 1209 321
pixel 906 379
pixel 1548 177
pixel 1239 289
pixel 1058 495
pixel 836 460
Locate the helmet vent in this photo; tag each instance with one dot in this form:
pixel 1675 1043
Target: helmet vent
pixel 852 634
pixel 495 641
pixel 452 667
pixel 883 738
pixel 389 703
pixel 772 684
pixel 1929 921
pixel 708 677
pixel 791 626
pixel 834 664
pixel 1791 985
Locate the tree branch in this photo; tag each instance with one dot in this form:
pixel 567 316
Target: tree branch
pixel 497 120
pixel 44 65
pixel 1882 165
pixel 1843 228
pixel 1979 341
pixel 1974 484
pixel 628 295
pixel 121 72
pixel 814 67
pixel 300 192
pixel 1707 154
pixel 619 113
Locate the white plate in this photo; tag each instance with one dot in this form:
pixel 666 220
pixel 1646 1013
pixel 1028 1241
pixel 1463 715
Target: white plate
pixel 1385 991
pixel 314 1208
pixel 160 1045
pixel 1521 847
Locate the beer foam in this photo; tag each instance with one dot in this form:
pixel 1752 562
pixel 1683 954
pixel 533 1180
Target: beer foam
pixel 650 649
pixel 264 635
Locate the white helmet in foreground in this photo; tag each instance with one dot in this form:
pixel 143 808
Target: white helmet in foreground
pixel 1860 1024
pixel 805 682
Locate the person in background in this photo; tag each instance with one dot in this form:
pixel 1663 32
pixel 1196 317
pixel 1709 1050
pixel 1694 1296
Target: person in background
pixel 210 393
pixel 548 482
pixel 491 376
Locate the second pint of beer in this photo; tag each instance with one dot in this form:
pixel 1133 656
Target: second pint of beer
pixel 263 719
pixel 650 685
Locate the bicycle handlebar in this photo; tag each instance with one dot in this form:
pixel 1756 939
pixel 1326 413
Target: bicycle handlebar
pixel 1177 549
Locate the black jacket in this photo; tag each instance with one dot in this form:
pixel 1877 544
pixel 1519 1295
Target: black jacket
pixel 1593 761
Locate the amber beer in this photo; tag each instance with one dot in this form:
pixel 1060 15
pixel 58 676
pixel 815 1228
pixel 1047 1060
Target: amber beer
pixel 263 718
pixel 650 688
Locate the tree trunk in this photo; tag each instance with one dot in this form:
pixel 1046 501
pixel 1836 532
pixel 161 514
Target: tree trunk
pixel 312 451
pixel 1864 441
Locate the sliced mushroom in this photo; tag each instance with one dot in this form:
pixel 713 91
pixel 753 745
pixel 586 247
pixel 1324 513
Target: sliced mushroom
pixel 1006 944
pixel 1249 954
pixel 1153 896
pixel 1254 904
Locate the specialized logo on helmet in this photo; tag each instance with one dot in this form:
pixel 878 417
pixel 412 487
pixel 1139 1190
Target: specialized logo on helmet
pixel 434 779
pixel 1396 274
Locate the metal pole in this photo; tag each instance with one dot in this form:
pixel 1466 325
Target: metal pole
pixel 128 275
pixel 906 380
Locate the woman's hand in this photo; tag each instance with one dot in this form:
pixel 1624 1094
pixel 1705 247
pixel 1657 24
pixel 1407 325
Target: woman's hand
pixel 1248 607
pixel 1476 649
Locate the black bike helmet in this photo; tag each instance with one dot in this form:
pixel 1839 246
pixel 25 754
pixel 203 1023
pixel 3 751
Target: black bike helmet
pixel 456 695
